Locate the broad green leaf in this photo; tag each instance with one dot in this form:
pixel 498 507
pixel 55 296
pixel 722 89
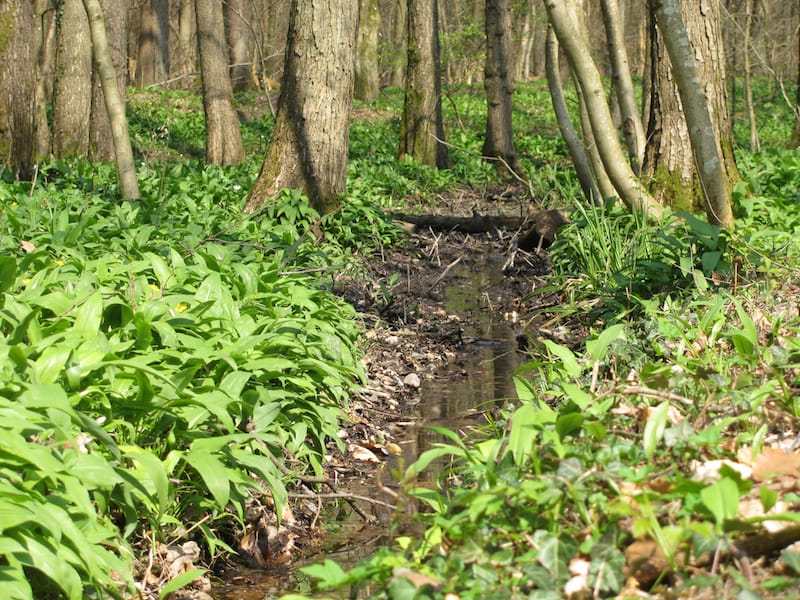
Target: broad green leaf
pixel 597 347
pixel 329 574
pixel 153 472
pixel 567 358
pixel 8 272
pixel 568 423
pixel 181 581
pixel 722 500
pixel 50 364
pixel 89 315
pixel 214 474
pixel 654 429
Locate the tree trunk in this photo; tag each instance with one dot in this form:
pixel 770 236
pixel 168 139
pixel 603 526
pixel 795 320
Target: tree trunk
pixel 750 7
pixel 16 86
pixel 44 49
pixel 223 136
pixel 399 43
pixel 421 126
pixel 101 134
pixel 309 145
pixel 499 141
pixel 698 101
pixel 72 91
pixel 795 141
pixel 623 83
pixel 240 42
pixel 586 74
pixel 185 49
pixel 576 151
pixel 366 86
pixel 152 58
pixel 114 103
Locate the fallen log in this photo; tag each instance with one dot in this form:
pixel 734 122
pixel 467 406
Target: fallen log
pixel 536 230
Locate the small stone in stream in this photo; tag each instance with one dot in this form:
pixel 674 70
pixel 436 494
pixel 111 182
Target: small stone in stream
pixel 412 380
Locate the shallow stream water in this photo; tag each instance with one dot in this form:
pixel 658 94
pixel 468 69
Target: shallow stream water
pixel 478 377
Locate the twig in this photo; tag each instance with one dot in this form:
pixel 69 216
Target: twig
pixel 346 496
pixel 646 391
pixel 444 274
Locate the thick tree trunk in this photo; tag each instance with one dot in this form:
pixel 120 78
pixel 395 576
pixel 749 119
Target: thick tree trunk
pixel 309 144
pixel 576 150
pixel 499 141
pixel 223 136
pixel 710 142
pixel 366 86
pixel 152 57
pixel 421 126
pixel 101 134
pixel 16 86
pixel 72 93
pixel 623 83
pixel 240 42
pixel 586 74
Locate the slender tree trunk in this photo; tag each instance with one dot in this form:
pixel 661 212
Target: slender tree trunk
pixel 795 141
pixel 399 43
pixel 152 59
pixel 186 47
pixel 705 143
pixel 16 86
pixel 101 134
pixel 367 86
pixel 499 141
pixel 576 151
pixel 114 103
pixel 522 64
pixel 72 91
pixel 45 36
pixel 223 137
pixel 240 42
pixel 309 145
pixel 586 74
pixel 750 7
pixel 421 126
pixel 623 83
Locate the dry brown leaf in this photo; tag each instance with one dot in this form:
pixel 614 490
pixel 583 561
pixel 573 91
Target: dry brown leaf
pixel 774 463
pixel 418 580
pixel 710 470
pixel 362 454
pixel 27 246
pixel 645 561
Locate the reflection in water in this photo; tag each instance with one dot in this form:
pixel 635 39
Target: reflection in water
pixel 479 377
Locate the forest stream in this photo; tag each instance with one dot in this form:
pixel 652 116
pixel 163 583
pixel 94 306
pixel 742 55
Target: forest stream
pixel 446 319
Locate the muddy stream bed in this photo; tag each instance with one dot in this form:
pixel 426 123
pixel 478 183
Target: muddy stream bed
pixel 445 319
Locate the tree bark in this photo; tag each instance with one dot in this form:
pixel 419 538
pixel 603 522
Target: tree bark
pixel 622 83
pixel 704 137
pixel 399 43
pixel 499 85
pixel 72 90
pixel 44 48
pixel 576 150
pixel 223 136
pixel 16 86
pixel 421 126
pixel 366 86
pixel 115 26
pixel 240 42
pixel 795 140
pixel 152 57
pixel 309 144
pixel 586 74
pixel 114 103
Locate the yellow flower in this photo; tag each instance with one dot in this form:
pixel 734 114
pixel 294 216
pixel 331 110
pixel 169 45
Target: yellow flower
pixel 181 306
